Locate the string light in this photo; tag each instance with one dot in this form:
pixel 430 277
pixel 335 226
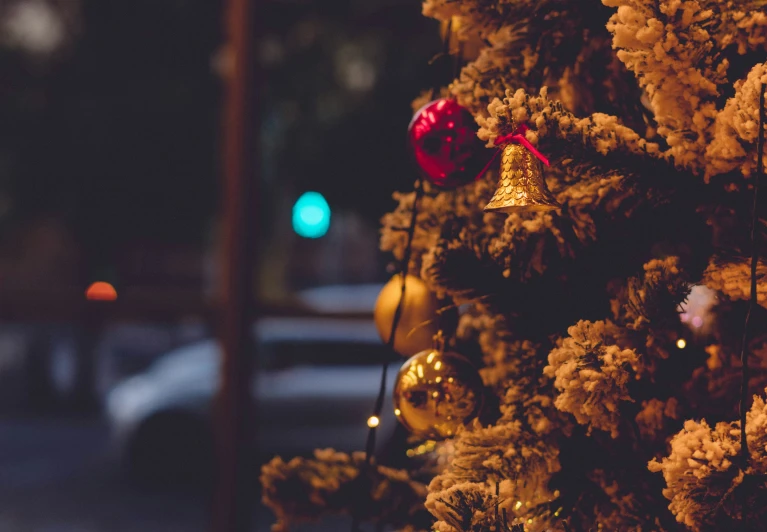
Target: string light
pixel 426 447
pixel 373 421
pixel 681 343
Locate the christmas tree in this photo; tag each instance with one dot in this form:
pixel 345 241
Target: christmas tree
pixel 609 331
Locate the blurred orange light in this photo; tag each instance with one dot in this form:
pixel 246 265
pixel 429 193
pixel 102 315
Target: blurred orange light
pixel 101 291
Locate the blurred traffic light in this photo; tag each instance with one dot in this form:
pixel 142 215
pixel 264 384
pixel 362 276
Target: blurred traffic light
pixel 311 215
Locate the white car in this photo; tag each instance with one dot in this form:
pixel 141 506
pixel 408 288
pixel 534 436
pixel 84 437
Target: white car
pixel 316 385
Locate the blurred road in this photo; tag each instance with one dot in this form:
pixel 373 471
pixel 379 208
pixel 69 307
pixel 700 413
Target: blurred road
pixel 56 475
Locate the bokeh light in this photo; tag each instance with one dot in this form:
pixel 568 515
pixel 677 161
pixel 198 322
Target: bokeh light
pixel 101 291
pixel 311 215
pixel 697 311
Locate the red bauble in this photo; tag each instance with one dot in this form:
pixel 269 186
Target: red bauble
pixel 443 136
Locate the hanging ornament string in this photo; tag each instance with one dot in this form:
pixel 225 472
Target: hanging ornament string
pixel 371 440
pixel 752 302
pixel 458 58
pixel 374 419
pixel 518 137
pixel 445 51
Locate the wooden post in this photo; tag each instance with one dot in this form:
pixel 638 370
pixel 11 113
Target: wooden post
pixel 234 480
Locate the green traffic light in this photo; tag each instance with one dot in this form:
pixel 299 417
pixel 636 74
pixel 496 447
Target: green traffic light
pixel 311 215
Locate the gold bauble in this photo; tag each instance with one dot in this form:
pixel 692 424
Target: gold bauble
pixel 521 186
pixel 420 306
pixel 436 393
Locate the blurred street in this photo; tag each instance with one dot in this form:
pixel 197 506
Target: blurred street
pixel 125 231
pixel 56 475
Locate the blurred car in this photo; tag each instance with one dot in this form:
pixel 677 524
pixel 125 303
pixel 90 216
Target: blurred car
pixel 50 366
pixel 316 385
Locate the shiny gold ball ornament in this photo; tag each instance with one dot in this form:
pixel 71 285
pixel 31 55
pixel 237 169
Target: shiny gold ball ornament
pixel 436 393
pixel 413 334
pixel 521 187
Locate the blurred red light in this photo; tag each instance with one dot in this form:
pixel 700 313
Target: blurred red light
pixel 101 291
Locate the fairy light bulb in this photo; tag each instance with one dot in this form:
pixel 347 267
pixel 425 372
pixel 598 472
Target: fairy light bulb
pixel 373 422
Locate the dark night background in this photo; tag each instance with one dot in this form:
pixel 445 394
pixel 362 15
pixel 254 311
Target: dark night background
pixel 113 134
pixel 110 141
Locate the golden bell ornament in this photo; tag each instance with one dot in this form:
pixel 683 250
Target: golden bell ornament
pixel 418 322
pixel 521 187
pixel 436 393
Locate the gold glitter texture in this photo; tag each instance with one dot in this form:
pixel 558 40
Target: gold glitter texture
pixel 521 187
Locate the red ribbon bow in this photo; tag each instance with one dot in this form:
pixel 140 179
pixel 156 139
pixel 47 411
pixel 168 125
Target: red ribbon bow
pixel 518 136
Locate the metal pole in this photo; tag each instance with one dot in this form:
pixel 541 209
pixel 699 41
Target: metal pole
pixel 233 412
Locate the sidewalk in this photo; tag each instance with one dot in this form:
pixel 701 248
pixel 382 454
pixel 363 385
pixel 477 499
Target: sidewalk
pixel 56 476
